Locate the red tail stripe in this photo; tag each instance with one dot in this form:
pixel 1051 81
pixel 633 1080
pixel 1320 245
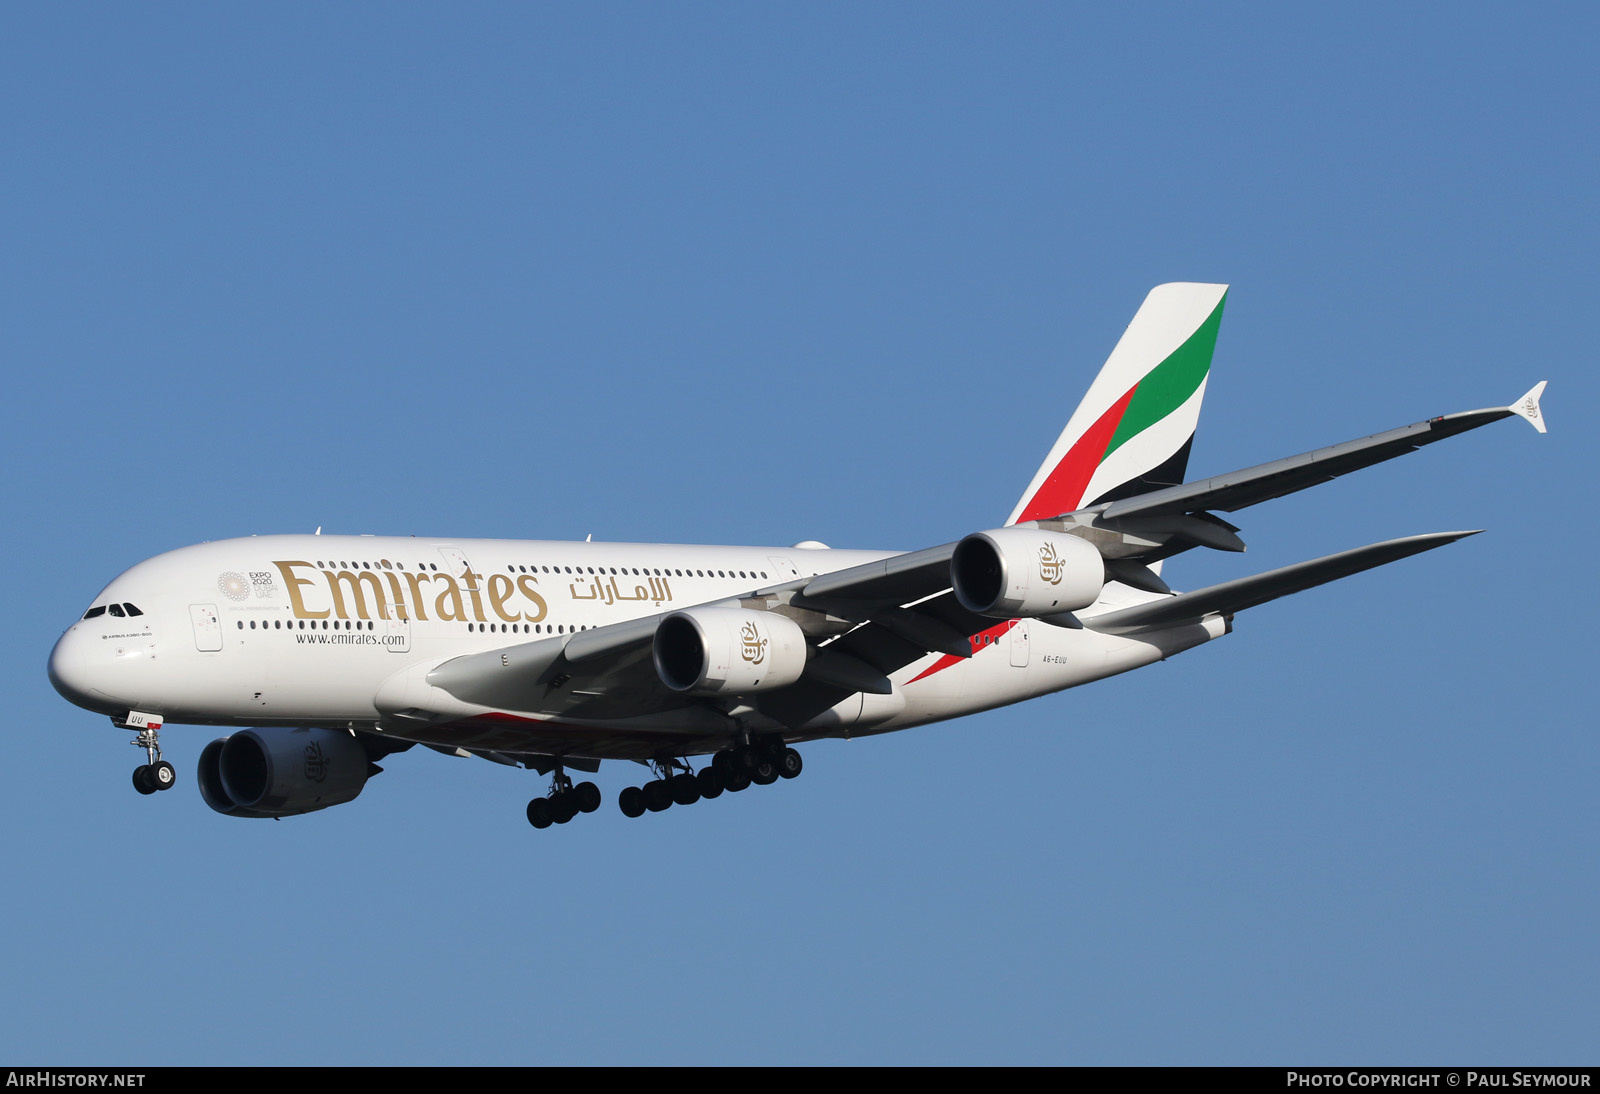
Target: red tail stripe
pixel 1063 490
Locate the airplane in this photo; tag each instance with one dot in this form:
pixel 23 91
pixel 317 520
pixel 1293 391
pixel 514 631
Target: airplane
pixel 325 654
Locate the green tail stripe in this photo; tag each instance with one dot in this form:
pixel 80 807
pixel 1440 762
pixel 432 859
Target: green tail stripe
pixel 1169 384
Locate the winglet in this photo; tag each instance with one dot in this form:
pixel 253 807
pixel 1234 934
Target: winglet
pixel 1528 406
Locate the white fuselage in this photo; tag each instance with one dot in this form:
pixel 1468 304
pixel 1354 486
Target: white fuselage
pixel 342 630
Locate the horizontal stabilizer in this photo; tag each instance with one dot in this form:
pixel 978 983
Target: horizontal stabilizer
pixel 1247 592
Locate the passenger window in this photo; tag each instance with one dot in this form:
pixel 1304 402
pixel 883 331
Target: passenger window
pixel 95 612
pixel 116 610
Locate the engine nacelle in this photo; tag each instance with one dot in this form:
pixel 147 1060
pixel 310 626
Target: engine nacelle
pixel 1011 573
pixel 728 651
pixel 281 772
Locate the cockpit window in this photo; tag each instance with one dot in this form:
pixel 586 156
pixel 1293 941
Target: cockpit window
pixel 116 610
pixel 95 612
pixel 132 610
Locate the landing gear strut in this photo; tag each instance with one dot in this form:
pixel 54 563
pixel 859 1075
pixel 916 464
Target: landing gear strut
pixel 158 773
pixel 762 761
pixel 564 802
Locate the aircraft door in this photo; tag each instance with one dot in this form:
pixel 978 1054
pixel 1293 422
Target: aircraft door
pixel 1019 644
pixel 455 560
pixel 207 627
pixel 396 629
pixel 783 569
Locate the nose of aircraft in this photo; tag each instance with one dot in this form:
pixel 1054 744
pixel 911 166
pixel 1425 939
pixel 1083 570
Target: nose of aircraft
pixel 68 670
pixel 72 671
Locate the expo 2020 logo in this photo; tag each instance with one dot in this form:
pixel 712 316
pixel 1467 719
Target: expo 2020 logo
pixel 234 586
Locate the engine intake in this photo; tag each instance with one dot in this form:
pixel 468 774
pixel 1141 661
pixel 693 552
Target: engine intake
pixel 728 651
pixel 1012 573
pixel 281 772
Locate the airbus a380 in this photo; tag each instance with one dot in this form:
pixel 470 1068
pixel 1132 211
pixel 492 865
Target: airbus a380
pixel 327 653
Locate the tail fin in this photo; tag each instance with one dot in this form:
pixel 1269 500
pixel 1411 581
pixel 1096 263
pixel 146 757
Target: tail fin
pixel 1132 432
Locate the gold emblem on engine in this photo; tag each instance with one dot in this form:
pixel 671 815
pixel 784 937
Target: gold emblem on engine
pixel 752 647
pixel 1050 564
pixel 316 763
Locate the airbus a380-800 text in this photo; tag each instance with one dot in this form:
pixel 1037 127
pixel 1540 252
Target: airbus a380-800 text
pixel 327 653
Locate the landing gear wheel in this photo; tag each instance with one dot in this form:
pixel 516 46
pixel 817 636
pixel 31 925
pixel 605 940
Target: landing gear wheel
pixel 711 783
pixel 539 813
pixel 162 776
pixel 789 763
pixel 738 781
pixel 657 795
pixel 587 796
pixel 631 802
pixel 155 774
pixel 765 773
pixel 563 808
pixel 723 763
pixel 685 790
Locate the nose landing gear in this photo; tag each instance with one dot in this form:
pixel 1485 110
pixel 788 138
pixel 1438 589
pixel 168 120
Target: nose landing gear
pixel 158 774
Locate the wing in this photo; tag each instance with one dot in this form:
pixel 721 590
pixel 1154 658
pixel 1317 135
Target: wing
pixel 597 693
pixel 1161 523
pixel 1246 592
pixel 592 694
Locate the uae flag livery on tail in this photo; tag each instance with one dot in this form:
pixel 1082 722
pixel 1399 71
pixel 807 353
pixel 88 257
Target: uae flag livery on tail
pixel 1132 432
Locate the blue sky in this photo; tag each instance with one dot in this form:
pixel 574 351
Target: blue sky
pixel 764 273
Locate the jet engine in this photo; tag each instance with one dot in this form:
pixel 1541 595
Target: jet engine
pixel 728 651
pixel 282 772
pixel 1011 573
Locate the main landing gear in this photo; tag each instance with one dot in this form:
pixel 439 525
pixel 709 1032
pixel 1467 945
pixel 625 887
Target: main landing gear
pixel 158 773
pixel 763 762
pixel 565 801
